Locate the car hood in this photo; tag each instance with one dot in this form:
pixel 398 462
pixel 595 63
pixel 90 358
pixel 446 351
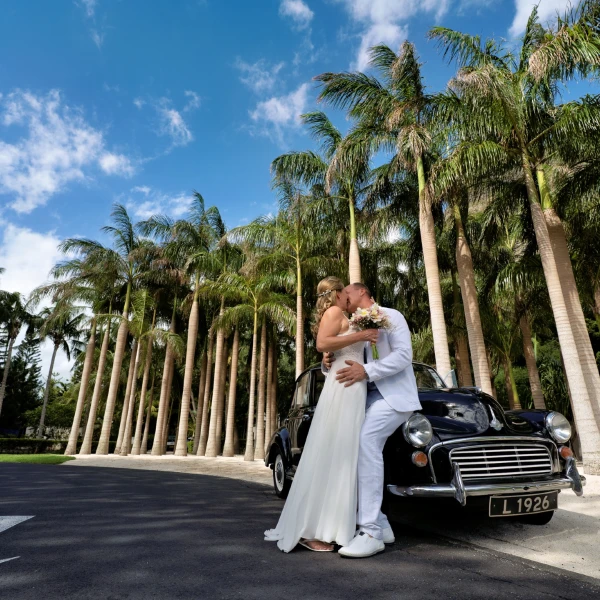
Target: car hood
pixel 460 412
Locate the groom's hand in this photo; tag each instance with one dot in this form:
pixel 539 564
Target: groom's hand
pixel 328 359
pixel 350 375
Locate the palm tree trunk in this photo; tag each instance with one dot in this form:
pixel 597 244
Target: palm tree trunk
pixel 199 408
pixel 86 446
pixel 169 412
pixel 228 447
pixel 463 365
pixel 211 446
pixel 432 274
pixel 11 342
pixel 299 321
pixel 236 441
pixel 144 445
pixel 269 401
pixel 274 394
pixel 115 378
pixel 573 304
pixel 137 438
pixel 582 406
pixel 47 393
pixel 354 254
pixel 249 453
pixel 532 370
pixel 511 386
pixel 125 410
pixel 596 308
pixel 164 395
pixel 126 441
pixel 83 385
pixel 181 449
pixel 466 275
pixel 205 403
pixel 221 408
pixel 259 451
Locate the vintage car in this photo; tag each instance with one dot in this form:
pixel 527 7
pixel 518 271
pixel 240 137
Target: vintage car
pixel 461 445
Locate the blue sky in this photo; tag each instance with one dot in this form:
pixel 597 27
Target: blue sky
pixel 142 101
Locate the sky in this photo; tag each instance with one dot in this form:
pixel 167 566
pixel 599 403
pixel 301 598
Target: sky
pixel 141 102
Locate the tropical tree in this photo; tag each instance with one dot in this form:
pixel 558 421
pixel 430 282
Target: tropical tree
pixel 331 175
pixel 62 325
pixel 395 112
pixel 13 315
pixel 510 122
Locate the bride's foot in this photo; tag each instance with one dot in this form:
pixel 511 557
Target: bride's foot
pixel 316 545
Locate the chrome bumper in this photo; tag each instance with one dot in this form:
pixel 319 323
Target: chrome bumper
pixel 457 489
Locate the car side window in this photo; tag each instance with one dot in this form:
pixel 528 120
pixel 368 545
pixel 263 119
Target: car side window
pixel 425 378
pixel 302 397
pixel 319 383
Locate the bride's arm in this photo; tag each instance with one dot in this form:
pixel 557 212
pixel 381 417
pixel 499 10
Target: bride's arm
pixel 328 338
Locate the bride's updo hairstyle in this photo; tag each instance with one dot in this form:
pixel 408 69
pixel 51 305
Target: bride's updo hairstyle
pixel 326 297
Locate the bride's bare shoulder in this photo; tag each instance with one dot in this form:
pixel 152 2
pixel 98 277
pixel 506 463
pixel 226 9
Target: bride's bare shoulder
pixel 333 312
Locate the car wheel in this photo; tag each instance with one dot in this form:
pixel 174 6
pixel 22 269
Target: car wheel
pixel 280 482
pixel 538 518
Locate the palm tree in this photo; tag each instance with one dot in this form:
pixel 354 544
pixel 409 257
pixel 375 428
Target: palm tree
pixel 228 447
pixel 63 326
pixel 396 113
pixel 330 174
pixel 505 126
pixel 293 246
pixel 127 259
pixel 255 300
pixel 13 316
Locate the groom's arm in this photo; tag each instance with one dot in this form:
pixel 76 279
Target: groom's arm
pixel 401 354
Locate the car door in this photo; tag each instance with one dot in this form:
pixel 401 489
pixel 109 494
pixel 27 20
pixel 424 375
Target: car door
pixel 300 415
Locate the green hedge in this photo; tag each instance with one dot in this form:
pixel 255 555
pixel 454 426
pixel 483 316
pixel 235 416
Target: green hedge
pixel 37 446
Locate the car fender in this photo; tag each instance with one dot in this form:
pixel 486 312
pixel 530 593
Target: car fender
pixel 280 441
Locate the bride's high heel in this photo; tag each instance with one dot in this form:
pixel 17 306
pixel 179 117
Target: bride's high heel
pixel 317 545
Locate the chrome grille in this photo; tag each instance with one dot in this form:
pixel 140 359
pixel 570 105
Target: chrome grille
pixel 502 460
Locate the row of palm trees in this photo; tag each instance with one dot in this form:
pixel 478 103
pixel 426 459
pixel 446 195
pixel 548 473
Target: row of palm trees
pixel 473 211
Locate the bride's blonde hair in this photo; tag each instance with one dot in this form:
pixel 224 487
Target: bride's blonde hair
pixel 326 297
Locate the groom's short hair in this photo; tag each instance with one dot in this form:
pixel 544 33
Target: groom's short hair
pixel 362 286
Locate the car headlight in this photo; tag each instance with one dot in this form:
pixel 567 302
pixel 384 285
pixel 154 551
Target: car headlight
pixel 417 430
pixel 558 427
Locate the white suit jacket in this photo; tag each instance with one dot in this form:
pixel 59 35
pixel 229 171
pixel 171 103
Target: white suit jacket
pixel 393 373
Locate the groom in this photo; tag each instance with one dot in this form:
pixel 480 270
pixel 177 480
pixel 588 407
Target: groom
pixel 391 399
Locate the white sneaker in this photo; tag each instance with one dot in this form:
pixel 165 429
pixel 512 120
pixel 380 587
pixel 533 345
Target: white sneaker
pixel 388 536
pixel 361 546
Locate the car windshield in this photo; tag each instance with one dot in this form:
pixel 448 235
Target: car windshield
pixel 427 378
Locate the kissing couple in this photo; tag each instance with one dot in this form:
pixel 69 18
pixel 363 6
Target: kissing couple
pixel 364 400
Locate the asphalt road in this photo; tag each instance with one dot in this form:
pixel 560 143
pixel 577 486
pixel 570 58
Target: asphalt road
pixel 125 534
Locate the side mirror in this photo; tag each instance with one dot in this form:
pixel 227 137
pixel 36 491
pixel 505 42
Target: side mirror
pixel 450 379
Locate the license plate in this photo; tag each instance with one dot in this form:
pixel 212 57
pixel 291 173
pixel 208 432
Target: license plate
pixel 508 506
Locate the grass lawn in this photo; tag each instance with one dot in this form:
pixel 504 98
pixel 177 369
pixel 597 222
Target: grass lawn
pixel 35 459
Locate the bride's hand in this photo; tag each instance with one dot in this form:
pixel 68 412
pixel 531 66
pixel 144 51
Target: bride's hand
pixel 370 335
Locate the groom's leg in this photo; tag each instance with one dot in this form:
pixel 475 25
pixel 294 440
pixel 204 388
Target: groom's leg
pixel 381 421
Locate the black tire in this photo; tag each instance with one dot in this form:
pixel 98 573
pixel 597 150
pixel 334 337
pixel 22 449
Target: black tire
pixel 538 518
pixel 281 484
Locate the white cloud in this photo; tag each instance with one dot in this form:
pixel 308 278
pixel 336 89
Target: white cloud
pixel 259 77
pixel 384 21
pixel 193 101
pixel 90 7
pixel 28 257
pixel 97 37
pixel 173 125
pixel 547 11
pixel 298 11
pixel 141 189
pixel 116 164
pixel 57 148
pixel 281 112
pixel 139 103
pixel 156 202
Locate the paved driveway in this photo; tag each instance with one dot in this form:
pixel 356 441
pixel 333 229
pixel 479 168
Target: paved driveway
pixel 116 533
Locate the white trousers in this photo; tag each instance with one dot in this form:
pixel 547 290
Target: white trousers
pixel 380 422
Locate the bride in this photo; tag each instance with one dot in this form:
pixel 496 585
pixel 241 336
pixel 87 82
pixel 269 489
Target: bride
pixel 321 506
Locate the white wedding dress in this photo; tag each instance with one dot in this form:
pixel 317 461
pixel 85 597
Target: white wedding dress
pixel 322 501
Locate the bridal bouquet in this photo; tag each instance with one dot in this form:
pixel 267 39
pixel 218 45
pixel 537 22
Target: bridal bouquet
pixel 370 318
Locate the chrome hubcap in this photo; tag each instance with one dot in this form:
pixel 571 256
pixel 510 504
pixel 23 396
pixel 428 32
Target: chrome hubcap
pixel 279 473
